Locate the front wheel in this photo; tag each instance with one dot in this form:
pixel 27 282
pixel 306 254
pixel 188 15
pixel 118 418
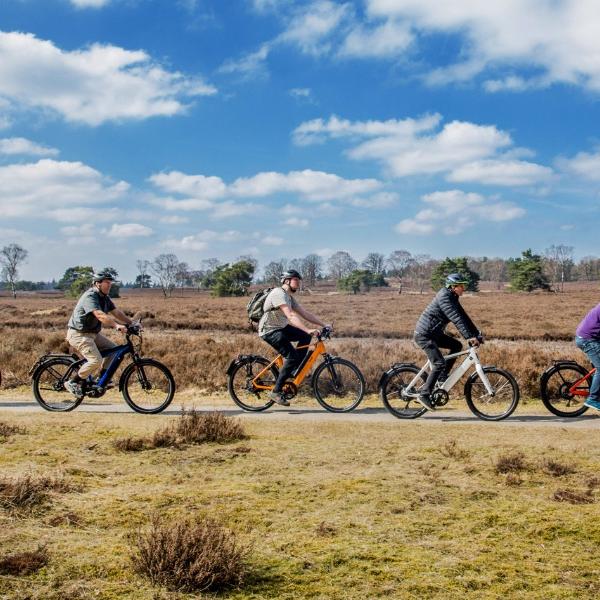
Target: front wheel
pixel 148 386
pixel 338 385
pixel 241 383
pixel 498 405
pixel 48 384
pixel 393 392
pixel 555 390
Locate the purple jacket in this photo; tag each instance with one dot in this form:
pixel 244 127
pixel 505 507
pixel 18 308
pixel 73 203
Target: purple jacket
pixel 589 328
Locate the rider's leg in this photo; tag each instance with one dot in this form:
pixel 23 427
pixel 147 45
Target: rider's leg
pixel 435 358
pixel 592 349
pixel 281 340
pixel 84 344
pixel 451 344
pixel 103 343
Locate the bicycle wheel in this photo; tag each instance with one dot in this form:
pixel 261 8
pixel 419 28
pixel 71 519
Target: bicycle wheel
pixel 392 389
pixel 338 385
pixel 496 406
pixel 48 384
pixel 148 386
pixel 555 386
pixel 242 390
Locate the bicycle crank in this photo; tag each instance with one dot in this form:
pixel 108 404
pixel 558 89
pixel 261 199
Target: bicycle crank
pixel 440 397
pixel 289 390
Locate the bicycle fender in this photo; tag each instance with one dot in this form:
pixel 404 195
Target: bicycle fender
pixel 560 363
pixel 240 358
pixel 391 370
pixel 46 357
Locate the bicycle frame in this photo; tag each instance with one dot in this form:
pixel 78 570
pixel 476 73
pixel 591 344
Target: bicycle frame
pixel 471 360
pixel 119 353
pixel 575 390
pixel 309 361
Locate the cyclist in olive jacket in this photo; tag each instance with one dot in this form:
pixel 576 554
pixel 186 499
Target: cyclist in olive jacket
pixel 430 336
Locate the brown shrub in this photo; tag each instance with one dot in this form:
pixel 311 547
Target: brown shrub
pixel 556 468
pixel 326 530
pixel 189 555
pixel 6 430
pixel 451 449
pixel 27 491
pixel 511 463
pixel 24 563
pixel 196 428
pixel 513 479
pixel 130 444
pixel 573 497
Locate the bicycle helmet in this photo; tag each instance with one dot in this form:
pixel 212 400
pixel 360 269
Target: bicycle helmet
pixel 456 279
pixel 102 275
pixel 289 274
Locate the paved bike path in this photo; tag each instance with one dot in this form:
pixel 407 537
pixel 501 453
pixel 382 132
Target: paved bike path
pixel 591 420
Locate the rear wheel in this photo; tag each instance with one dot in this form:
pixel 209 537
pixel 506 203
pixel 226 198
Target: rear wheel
pixel 48 384
pixel 338 385
pixel 497 405
pixel 393 391
pixel 241 387
pixel 148 386
pixel 555 390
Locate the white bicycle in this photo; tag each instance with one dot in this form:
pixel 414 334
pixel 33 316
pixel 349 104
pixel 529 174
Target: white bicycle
pixel 492 394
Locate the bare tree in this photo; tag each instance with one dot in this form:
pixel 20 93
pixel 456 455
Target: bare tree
pixel 341 264
pixel 11 257
pixel 421 270
pixel 274 270
pixel 183 276
pixel 559 263
pixel 588 268
pixel 374 262
pixel 312 268
pixel 398 262
pixel 166 267
pixel 142 266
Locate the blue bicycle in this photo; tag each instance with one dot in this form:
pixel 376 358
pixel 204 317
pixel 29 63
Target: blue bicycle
pixel 146 384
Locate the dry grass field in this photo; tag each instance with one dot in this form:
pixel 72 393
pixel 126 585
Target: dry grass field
pixel 197 335
pixel 326 510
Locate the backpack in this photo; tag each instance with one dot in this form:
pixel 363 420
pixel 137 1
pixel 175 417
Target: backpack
pixel 256 306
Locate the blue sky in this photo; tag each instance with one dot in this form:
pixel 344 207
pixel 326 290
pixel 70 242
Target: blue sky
pixel 277 128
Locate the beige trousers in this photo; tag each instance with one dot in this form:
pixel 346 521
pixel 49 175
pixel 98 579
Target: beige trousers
pixel 89 346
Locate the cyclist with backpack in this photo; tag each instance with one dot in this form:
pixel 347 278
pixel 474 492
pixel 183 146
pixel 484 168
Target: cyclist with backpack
pixel 281 324
pixel 430 336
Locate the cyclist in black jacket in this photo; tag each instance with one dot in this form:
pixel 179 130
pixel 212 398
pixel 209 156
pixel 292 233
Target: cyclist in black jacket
pixel 430 336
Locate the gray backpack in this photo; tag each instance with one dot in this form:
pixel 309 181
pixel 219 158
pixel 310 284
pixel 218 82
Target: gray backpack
pixel 256 306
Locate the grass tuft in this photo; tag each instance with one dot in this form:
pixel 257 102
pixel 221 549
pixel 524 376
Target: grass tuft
pixel 557 469
pixel 26 491
pixel 511 463
pixel 189 555
pixel 451 449
pixel 7 430
pixel 130 444
pixel 24 563
pixel 573 497
pixel 326 530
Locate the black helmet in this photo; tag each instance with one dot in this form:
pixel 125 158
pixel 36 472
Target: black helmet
pixel 456 279
pixel 103 275
pixel 289 274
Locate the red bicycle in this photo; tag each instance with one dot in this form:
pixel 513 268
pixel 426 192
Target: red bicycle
pixel 564 388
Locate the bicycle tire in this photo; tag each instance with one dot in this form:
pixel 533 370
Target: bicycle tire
pixel 554 390
pixel 48 385
pixel 152 389
pixel 507 393
pixel 333 379
pixel 243 392
pixel 391 389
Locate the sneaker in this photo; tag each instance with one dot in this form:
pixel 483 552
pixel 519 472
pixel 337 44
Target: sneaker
pixel 592 404
pixel 75 388
pixel 425 400
pixel 278 398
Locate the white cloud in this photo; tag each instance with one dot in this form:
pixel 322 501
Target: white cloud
pixel 129 230
pixel 386 40
pixel 54 189
pixel 272 240
pixel 584 164
pixel 21 145
pixel 451 212
pixel 296 222
pixel 174 220
pixel 90 3
pixel 196 186
pixel 249 65
pixel 559 38
pixel 93 85
pixel 463 151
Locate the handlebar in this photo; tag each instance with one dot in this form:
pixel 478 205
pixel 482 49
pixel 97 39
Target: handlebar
pixel 134 328
pixel 325 333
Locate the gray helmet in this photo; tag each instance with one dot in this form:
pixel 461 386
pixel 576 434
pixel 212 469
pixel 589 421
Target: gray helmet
pixel 456 279
pixel 289 274
pixel 103 275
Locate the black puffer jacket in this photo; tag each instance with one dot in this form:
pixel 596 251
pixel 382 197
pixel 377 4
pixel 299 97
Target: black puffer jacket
pixel 445 307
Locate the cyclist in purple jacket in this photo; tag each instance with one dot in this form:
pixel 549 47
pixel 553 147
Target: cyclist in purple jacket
pixel 587 338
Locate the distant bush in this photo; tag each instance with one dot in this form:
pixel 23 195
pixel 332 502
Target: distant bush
pixel 24 563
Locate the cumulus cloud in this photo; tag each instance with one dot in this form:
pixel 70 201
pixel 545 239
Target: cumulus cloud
pixel 461 150
pixel 90 3
pixel 584 164
pixel 451 212
pixel 209 238
pixel 296 222
pixel 129 230
pixel 19 145
pixel 92 85
pixel 386 40
pixel 54 189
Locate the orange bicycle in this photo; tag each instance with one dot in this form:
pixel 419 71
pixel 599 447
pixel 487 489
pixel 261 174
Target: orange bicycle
pixel 337 384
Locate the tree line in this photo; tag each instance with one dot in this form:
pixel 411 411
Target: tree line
pixel 548 270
